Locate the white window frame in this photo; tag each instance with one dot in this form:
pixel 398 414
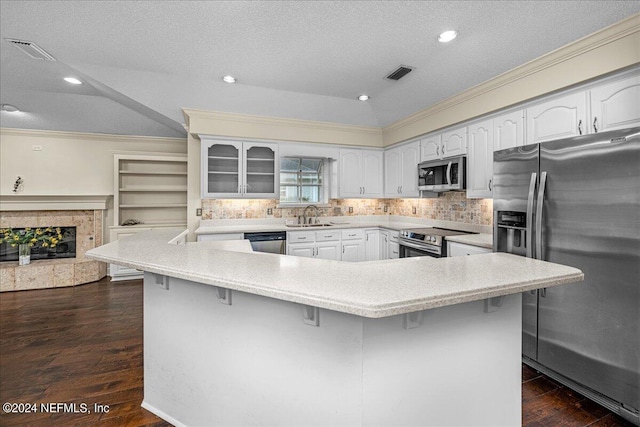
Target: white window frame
pixel 325 186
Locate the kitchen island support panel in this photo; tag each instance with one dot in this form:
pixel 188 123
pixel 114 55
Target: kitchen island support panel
pixel 256 363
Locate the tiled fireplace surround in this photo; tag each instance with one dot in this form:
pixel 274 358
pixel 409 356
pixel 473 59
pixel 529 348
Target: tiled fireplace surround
pixel 55 273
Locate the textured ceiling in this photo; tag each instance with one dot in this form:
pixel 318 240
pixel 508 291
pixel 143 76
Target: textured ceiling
pixel 143 61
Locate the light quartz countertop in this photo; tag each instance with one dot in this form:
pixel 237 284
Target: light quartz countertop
pixel 482 240
pixel 391 222
pixel 370 289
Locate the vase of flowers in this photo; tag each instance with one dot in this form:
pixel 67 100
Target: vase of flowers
pixel 28 238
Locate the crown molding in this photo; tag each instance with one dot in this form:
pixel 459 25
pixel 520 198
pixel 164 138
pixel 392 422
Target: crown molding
pixel 277 128
pixel 87 136
pixel 628 28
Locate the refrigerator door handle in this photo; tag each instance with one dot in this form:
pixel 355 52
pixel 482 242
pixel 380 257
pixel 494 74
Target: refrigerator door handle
pixel 529 230
pixel 539 206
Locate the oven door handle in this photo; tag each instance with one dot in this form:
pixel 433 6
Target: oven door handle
pixel 419 247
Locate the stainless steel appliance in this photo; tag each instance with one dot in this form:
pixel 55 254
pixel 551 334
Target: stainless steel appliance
pixel 425 242
pixel 577 202
pixel 272 242
pixel 442 175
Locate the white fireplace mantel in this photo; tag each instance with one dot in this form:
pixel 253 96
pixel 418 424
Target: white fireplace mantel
pixel 53 202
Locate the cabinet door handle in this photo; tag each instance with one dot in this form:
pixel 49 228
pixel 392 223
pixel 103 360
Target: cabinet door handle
pixel 398 190
pixel 443 150
pixel 438 151
pixel 595 124
pixel 401 189
pixel 302 238
pixel 342 248
pixel 580 127
pixel 490 184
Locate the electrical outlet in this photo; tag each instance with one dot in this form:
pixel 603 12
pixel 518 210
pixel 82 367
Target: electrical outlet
pixel 198 211
pixel 386 208
pixel 350 209
pixel 36 147
pixel 269 211
pixel 414 210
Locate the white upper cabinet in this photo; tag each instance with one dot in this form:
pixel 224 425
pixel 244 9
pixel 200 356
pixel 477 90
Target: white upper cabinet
pixel 558 118
pixel 615 105
pixel 232 169
pixel 430 148
pixel 361 174
pixel 454 142
pixel 508 131
pixel 480 159
pixel 400 171
pixel 448 144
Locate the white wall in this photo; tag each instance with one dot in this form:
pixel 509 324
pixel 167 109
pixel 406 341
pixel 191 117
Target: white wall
pixel 70 163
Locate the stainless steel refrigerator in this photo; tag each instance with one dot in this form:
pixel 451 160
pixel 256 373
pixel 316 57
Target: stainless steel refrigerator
pixel 576 202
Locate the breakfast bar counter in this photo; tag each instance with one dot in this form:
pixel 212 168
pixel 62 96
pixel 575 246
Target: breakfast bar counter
pixel 233 337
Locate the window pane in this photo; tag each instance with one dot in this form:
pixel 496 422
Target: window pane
pixel 288 164
pixel 310 195
pixel 288 178
pixel 288 194
pixel 311 178
pixel 311 165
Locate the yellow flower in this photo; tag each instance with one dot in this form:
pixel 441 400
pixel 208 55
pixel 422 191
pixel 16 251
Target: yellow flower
pixel 38 231
pixel 59 236
pixel 16 237
pixel 13 245
pixel 34 240
pixel 45 244
pixel 58 230
pixel 53 245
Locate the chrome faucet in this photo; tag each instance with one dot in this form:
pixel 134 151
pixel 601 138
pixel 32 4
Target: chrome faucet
pixel 305 214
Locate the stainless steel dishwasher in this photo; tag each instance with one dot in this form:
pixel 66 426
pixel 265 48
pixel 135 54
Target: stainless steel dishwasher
pixel 272 241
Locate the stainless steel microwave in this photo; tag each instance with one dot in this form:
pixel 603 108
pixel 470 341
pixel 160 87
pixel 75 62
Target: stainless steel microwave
pixel 443 175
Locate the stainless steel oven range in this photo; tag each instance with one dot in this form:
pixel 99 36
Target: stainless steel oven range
pixel 425 242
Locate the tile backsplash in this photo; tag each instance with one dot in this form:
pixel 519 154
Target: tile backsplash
pixel 451 206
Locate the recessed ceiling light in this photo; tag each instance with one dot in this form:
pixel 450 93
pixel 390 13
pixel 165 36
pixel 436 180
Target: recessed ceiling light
pixel 229 79
pixel 363 97
pixel 72 80
pixel 9 108
pixel 447 36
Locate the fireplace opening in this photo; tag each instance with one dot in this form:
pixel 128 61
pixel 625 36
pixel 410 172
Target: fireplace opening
pixel 66 248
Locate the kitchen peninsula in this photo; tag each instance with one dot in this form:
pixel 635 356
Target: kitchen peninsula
pixel 239 338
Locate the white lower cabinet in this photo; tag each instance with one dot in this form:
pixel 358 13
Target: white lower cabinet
pixel 460 249
pixel 389 246
pixel 353 245
pixel 372 245
pixel 119 272
pixel 310 244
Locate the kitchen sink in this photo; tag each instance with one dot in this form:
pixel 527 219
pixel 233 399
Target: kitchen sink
pixel 308 225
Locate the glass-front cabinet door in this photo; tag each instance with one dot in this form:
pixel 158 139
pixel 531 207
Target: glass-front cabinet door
pixel 260 170
pixel 222 169
pixel 233 169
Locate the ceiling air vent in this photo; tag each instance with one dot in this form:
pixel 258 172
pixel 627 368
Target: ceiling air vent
pixel 31 49
pixel 402 71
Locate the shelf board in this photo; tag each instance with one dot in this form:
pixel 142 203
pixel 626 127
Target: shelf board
pixel 153 206
pixel 261 173
pixel 222 173
pixel 222 158
pixel 151 173
pixel 259 160
pixel 154 190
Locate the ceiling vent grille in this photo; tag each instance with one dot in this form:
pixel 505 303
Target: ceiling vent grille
pixel 402 71
pixel 31 49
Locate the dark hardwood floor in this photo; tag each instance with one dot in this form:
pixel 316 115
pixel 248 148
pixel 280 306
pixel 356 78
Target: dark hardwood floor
pixel 83 345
